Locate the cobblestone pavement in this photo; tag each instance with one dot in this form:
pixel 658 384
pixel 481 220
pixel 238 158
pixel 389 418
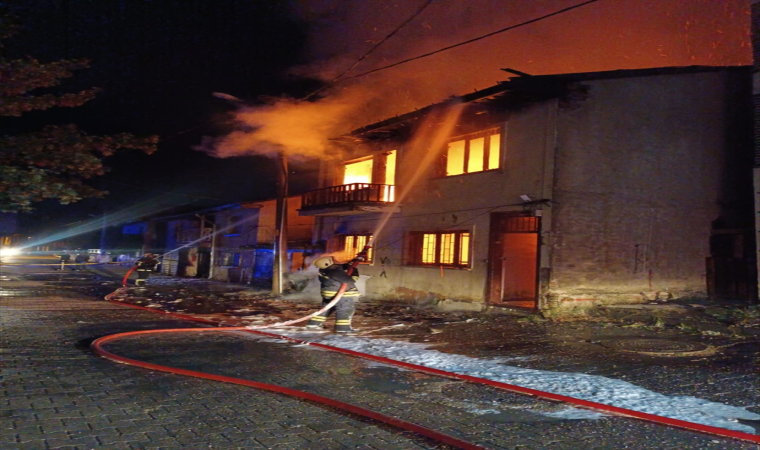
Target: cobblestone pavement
pixel 57 395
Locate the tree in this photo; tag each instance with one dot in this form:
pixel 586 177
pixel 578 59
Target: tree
pixel 58 161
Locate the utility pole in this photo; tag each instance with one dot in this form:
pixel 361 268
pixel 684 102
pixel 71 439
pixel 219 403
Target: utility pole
pixel 212 238
pixel 280 247
pixel 103 224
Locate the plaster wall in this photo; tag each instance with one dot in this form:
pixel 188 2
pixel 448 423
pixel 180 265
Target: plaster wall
pixel 639 169
pixel 461 202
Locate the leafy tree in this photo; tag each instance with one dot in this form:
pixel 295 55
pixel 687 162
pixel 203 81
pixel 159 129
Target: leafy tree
pixel 57 161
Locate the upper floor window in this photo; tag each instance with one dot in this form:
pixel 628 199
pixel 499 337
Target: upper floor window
pixel 377 169
pixel 234 226
pixel 450 248
pixel 374 174
pixel 474 152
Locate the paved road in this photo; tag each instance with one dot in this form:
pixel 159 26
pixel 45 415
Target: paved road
pixel 58 395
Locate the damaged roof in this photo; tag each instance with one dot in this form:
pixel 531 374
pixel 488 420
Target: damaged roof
pixel 515 93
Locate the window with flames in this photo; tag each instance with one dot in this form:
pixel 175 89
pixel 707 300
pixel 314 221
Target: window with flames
pixel 345 247
pixel 447 249
pixel 471 153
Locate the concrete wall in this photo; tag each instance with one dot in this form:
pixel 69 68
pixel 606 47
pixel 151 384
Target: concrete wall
pixel 635 174
pixel 639 178
pixel 461 202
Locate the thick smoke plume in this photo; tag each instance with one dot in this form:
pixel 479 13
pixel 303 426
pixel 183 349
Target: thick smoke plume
pixel 605 35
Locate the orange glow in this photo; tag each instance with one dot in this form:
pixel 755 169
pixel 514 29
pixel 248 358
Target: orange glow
pixel 464 249
pixel 444 246
pixel 358 172
pixel 602 36
pixel 494 153
pixel 355 244
pixel 389 193
pixel 475 160
pixel 455 159
pixel 428 248
pixel 390 168
pixel 473 150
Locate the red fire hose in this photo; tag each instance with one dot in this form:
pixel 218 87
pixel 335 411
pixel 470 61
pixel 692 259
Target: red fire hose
pixel 97 348
pixel 124 281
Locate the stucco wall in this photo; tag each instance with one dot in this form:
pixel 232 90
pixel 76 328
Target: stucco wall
pixel 638 180
pixel 453 203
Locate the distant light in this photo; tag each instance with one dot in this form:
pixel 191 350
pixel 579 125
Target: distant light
pixel 9 251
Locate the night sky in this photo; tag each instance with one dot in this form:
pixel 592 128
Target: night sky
pixel 159 61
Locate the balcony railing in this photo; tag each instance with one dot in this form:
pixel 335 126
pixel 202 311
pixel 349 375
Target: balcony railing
pixel 349 193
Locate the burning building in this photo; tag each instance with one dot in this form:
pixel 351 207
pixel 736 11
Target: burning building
pixel 552 191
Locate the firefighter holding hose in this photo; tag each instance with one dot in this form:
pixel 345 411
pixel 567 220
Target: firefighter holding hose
pixel 144 267
pixel 331 276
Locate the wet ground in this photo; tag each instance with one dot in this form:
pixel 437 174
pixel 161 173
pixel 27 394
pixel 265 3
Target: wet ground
pixel 647 345
pixel 704 351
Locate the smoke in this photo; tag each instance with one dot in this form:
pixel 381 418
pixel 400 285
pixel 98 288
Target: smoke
pixel 605 35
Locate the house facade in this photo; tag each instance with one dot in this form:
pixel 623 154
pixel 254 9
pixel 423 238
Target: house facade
pixel 231 243
pixel 553 191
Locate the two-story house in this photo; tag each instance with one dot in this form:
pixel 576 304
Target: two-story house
pixel 552 191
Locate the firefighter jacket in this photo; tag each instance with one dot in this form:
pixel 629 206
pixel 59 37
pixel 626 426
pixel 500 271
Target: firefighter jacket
pixel 331 278
pixel 147 264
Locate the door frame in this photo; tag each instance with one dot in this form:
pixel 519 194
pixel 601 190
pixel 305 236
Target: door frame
pixel 509 222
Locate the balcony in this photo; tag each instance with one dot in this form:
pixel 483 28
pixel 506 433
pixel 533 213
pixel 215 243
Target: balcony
pixel 347 199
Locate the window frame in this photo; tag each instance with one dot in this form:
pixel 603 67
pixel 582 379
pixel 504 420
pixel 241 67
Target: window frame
pixel 234 226
pixel 486 156
pixel 338 245
pixel 230 259
pixel 462 241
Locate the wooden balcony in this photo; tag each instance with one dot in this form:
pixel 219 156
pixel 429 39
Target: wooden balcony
pixel 355 198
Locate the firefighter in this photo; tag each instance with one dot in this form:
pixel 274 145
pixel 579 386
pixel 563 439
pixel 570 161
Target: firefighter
pixel 331 276
pixel 81 261
pixel 65 258
pixel 145 266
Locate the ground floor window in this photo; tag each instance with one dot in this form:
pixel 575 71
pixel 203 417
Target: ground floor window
pixel 449 248
pixel 350 245
pixel 229 259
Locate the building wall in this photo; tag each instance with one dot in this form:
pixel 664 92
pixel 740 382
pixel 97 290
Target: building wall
pixel 633 177
pixel 639 179
pixel 299 227
pixel 461 202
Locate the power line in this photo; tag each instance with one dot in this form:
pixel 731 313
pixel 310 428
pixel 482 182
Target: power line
pixel 398 28
pixel 473 40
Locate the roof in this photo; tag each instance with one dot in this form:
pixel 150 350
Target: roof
pixel 515 93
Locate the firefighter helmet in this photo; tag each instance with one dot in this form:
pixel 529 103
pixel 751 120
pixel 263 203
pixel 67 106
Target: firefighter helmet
pixel 324 262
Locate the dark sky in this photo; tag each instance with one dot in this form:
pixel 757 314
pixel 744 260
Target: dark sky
pixel 159 61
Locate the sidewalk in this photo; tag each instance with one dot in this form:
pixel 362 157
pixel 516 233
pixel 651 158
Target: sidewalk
pixel 58 395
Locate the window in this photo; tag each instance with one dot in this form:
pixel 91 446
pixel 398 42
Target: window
pixel 234 226
pixel 451 248
pixel 358 172
pixel 230 260
pixel 473 153
pixel 351 244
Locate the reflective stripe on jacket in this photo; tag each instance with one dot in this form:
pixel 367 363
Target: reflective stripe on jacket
pixel 331 278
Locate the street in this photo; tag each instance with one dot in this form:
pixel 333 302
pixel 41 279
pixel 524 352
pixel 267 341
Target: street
pixel 59 395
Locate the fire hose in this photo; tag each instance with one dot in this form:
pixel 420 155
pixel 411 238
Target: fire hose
pixel 426 432
pixel 97 347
